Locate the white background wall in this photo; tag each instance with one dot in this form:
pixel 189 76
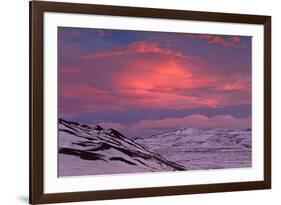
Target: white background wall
pixel 14 101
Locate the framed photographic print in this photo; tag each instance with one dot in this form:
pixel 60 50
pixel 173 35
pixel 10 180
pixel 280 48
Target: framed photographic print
pixel 138 102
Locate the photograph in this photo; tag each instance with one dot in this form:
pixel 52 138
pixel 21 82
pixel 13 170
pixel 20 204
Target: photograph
pixel 136 101
pixel 129 102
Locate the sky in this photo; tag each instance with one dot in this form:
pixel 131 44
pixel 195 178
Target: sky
pixel 142 83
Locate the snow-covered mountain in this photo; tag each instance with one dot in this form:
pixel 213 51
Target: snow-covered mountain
pixel 90 149
pixel 203 149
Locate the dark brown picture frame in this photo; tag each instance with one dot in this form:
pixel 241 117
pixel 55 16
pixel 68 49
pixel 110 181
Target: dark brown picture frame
pixel 37 9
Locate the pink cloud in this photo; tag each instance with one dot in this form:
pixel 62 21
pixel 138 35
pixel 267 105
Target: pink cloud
pixel 195 121
pixel 90 99
pixel 167 80
pixel 238 82
pixel 105 54
pixel 83 91
pixel 233 41
pixel 137 47
pixel 152 47
pixel 150 74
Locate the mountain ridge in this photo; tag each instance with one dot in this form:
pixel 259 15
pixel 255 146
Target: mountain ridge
pixel 108 150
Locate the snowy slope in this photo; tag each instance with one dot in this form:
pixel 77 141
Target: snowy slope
pixel 90 149
pixel 203 149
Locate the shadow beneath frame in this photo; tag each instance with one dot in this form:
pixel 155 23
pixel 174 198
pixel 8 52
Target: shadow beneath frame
pixel 24 199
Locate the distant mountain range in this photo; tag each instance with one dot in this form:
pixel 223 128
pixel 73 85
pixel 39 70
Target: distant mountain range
pixel 203 149
pixel 89 149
